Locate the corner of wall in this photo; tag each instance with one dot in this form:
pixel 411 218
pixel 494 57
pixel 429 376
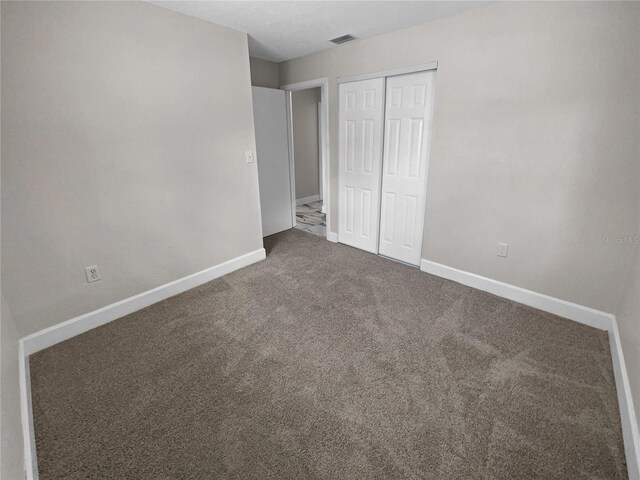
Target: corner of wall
pixel 11 464
pixel 264 73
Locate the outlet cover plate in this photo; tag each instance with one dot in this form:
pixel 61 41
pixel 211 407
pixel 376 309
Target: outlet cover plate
pixel 503 249
pixel 92 273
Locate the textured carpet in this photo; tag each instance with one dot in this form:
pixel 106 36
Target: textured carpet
pixel 325 362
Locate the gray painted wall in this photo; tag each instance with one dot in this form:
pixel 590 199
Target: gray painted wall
pixel 304 110
pixel 11 455
pixel 535 139
pixel 124 129
pixel 264 73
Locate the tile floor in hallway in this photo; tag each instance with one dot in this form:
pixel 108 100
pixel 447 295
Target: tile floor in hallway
pixel 309 217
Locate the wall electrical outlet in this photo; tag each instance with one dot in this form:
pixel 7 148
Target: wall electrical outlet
pixel 503 249
pixel 92 273
pixel 248 155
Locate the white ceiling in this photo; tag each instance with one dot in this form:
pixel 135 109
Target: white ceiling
pixel 282 30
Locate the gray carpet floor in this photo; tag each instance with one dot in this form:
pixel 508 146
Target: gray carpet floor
pixel 325 362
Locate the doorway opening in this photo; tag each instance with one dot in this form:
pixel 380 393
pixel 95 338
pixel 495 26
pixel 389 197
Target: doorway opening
pixel 307 165
pixel 307 109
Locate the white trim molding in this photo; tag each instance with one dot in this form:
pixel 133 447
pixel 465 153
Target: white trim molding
pixel 546 303
pixel 332 236
pixel 292 170
pixel 311 199
pixel 572 311
pixel 30 457
pixel 389 73
pixel 65 330
pixel 628 417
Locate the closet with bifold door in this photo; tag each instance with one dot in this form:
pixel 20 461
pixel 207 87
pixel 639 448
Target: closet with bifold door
pixel 385 130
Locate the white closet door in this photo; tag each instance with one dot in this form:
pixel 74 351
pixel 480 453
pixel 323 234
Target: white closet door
pixel 409 101
pixel 361 112
pixel 272 149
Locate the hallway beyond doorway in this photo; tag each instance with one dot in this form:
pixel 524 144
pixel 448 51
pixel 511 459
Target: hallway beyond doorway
pixel 309 217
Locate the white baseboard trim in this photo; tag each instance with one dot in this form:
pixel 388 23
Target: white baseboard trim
pixel 332 236
pixel 562 308
pixel 312 198
pixel 65 330
pixel 30 459
pixel 628 417
pixel 578 313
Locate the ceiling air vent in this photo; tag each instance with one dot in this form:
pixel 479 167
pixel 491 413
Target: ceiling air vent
pixel 342 39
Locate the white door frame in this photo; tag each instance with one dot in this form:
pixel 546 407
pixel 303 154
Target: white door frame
pixel 323 142
pixel 389 73
pixel 320 176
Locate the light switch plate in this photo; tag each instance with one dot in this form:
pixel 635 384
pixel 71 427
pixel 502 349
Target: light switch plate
pixel 248 155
